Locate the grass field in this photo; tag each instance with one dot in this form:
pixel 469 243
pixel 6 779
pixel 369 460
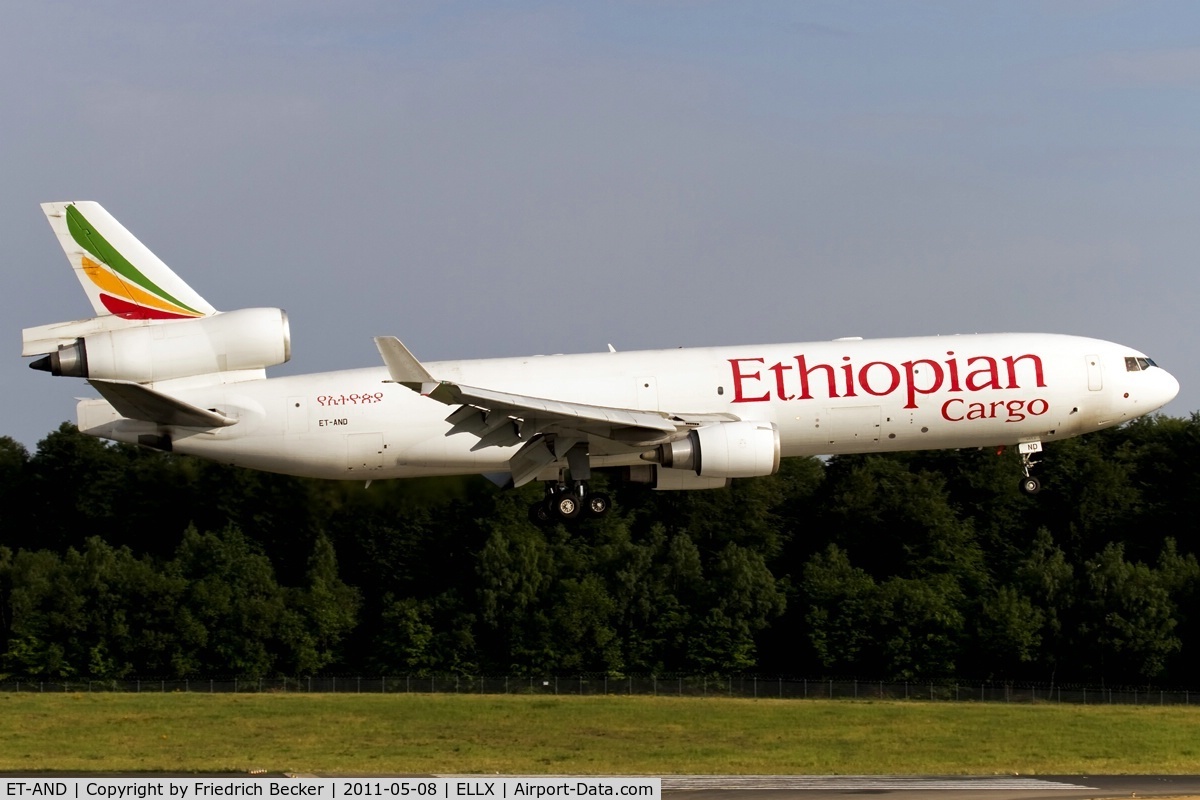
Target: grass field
pixel 346 734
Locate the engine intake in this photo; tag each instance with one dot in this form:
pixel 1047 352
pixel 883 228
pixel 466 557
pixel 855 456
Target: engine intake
pixel 250 338
pixel 724 450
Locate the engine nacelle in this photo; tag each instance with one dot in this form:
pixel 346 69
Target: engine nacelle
pixel 725 450
pixel 251 338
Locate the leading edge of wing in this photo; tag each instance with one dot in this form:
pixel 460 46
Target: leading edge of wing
pixel 543 409
pixel 539 412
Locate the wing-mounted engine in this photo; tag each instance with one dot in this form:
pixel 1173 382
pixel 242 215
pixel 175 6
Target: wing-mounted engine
pixel 724 450
pixel 160 350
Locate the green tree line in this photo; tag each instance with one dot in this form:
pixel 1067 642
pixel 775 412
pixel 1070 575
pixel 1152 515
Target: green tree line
pixel 119 562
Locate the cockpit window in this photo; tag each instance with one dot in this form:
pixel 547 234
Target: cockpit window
pixel 1138 363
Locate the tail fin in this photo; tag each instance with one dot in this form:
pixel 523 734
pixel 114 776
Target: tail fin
pixel 121 276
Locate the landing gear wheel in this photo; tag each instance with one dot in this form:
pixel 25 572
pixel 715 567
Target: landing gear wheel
pixel 567 506
pixel 540 513
pixel 598 504
pixel 1030 485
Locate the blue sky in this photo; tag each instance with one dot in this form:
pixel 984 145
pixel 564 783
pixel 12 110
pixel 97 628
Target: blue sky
pixel 488 179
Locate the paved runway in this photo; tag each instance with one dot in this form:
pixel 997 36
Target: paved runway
pixel 860 783
pixel 906 787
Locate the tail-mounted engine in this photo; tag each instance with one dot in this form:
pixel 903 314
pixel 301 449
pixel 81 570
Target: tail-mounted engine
pixel 247 339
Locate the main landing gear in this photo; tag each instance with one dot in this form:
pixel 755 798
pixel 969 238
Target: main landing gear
pixel 568 497
pixel 1030 485
pixel 568 501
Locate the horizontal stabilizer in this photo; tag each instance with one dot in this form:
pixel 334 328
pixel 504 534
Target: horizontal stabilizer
pixel 48 338
pixel 135 401
pixel 403 365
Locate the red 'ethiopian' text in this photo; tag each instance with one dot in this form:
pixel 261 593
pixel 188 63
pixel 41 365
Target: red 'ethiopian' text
pixel 797 379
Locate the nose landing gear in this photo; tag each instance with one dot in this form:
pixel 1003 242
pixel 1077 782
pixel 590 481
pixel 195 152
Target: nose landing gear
pixel 1030 485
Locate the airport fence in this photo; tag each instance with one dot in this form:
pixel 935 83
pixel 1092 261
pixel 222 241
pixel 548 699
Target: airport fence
pixel 667 686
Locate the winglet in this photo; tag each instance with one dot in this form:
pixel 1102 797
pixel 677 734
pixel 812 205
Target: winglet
pixel 403 365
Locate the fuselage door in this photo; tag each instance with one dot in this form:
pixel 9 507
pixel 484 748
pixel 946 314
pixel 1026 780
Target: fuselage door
pixel 1095 376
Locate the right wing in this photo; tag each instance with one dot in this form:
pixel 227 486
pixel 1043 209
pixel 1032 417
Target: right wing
pixel 545 427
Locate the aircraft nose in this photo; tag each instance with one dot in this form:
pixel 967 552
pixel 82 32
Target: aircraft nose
pixel 1167 387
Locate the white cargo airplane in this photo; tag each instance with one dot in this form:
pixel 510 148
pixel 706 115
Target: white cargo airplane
pixel 175 374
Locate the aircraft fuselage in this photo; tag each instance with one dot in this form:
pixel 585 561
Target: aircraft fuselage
pixel 844 396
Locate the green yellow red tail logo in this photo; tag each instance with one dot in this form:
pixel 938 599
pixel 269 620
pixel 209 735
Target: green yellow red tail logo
pixel 124 290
